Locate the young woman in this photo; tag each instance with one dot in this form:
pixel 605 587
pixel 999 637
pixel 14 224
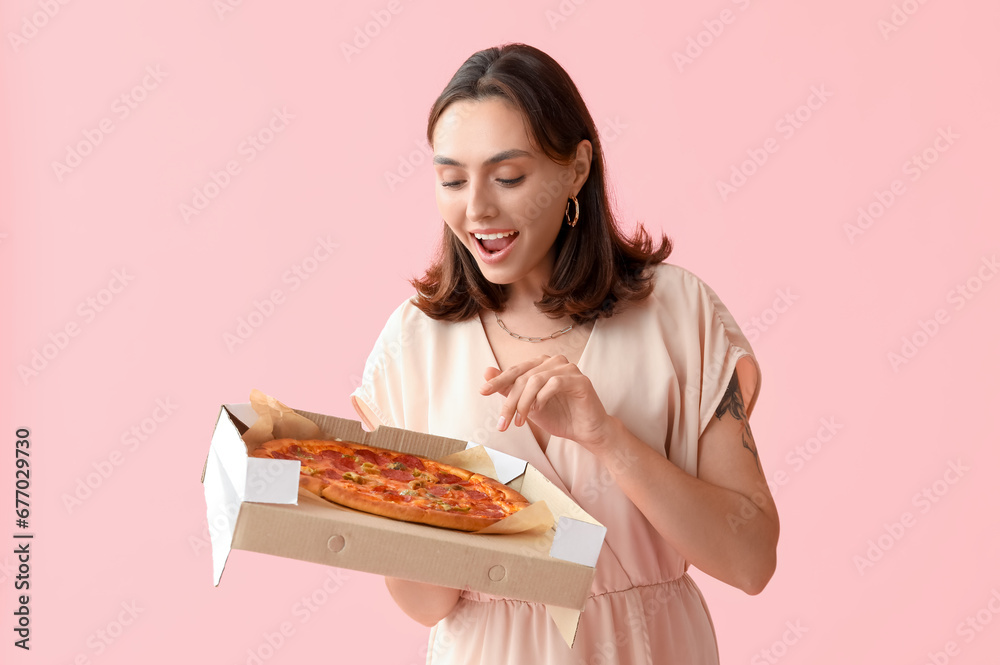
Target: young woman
pixel 540 331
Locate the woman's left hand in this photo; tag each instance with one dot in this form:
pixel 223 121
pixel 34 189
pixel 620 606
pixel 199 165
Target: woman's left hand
pixel 553 394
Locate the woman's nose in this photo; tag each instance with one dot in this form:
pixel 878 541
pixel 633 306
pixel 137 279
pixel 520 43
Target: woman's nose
pixel 480 203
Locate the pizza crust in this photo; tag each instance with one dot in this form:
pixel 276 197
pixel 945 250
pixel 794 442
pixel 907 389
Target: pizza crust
pixel 405 512
pixel 510 496
pixel 311 484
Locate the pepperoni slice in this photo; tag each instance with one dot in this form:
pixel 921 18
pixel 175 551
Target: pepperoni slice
pixel 438 490
pixel 397 474
pixel 332 474
pixel 295 450
pixel 474 495
pixel 277 454
pixel 344 464
pixel 367 456
pixel 448 478
pixel 412 462
pixel 383 460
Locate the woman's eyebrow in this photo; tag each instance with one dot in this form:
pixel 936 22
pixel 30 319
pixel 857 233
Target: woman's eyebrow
pixel 495 159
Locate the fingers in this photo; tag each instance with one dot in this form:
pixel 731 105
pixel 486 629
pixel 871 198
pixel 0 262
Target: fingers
pixel 522 393
pixel 491 373
pixel 538 388
pixel 518 403
pixel 501 382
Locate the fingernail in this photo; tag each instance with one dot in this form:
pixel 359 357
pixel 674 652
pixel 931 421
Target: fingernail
pixel 500 423
pixel 485 387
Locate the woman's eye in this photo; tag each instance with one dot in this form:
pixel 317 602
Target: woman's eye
pixel 503 181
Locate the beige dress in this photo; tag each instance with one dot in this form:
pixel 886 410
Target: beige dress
pixel 661 366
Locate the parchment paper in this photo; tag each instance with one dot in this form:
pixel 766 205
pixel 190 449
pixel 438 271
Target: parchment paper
pixel 277 421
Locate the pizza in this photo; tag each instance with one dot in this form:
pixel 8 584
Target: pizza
pixel 397 485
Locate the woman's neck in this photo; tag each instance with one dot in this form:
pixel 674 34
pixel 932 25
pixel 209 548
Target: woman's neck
pixel 524 293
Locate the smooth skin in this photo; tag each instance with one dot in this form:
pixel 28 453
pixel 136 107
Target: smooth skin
pixel 723 521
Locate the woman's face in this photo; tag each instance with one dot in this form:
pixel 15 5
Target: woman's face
pixel 492 180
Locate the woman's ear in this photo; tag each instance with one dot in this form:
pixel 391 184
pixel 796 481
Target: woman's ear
pixel 584 155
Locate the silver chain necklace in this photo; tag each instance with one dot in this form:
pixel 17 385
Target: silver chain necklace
pixel 531 339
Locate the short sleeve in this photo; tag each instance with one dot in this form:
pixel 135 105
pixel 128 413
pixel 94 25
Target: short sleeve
pixel 378 400
pixel 724 350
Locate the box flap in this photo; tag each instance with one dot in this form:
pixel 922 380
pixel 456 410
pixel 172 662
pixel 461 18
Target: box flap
pixel 508 467
pixel 566 620
pixel 242 416
pixel 244 413
pixel 231 477
pixel 578 536
pixel 272 480
pixel 221 498
pixel 578 541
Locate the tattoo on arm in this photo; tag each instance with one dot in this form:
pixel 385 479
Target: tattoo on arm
pixel 732 401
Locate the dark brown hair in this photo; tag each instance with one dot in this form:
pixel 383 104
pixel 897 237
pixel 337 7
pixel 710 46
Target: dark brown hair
pixel 596 268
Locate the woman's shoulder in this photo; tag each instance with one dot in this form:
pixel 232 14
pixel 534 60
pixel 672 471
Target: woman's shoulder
pixel 408 322
pixel 676 286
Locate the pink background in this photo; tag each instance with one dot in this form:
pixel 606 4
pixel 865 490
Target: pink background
pixel 671 134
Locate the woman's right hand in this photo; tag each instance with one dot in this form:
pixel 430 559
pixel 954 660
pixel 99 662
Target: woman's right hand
pixel 425 603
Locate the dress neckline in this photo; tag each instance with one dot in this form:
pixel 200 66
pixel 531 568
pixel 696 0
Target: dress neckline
pixel 496 363
pixel 582 365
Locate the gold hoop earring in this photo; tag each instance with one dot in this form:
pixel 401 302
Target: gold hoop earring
pixel 576 205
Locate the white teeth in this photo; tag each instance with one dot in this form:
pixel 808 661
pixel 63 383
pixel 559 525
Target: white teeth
pixel 493 236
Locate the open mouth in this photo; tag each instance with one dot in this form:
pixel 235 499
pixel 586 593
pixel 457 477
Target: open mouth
pixel 493 244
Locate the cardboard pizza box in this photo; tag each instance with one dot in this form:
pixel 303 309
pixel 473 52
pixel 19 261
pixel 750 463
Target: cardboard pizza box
pixel 256 505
